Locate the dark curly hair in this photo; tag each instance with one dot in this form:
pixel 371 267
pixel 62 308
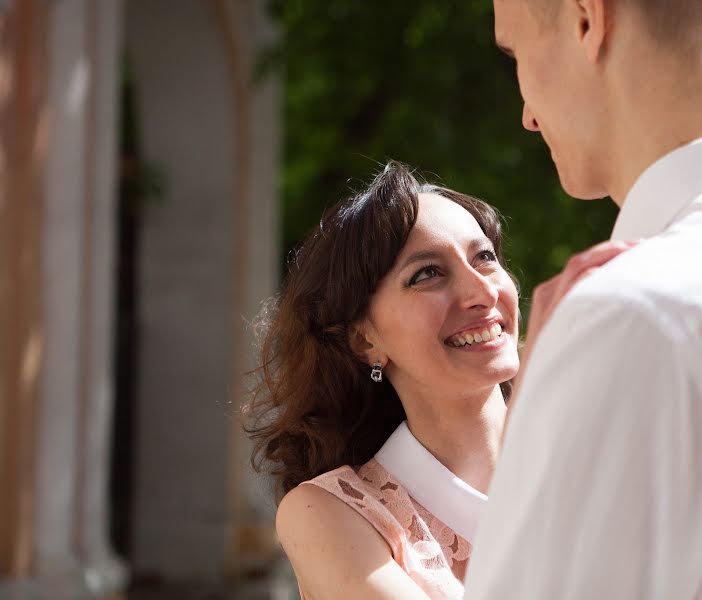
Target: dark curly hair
pixel 314 407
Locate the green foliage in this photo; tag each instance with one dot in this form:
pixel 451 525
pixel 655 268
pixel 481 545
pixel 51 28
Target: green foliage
pixel 419 81
pixel 141 181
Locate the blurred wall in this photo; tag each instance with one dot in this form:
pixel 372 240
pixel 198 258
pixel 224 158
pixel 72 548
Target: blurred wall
pixel 208 255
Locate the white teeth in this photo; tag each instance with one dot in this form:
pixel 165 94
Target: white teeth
pixel 484 336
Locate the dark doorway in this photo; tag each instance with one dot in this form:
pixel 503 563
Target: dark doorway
pixel 130 196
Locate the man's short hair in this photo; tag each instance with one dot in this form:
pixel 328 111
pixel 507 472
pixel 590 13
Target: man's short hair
pixel 670 22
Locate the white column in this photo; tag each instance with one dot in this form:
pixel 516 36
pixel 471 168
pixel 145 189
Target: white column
pixel 69 80
pixel 73 558
pixel 103 572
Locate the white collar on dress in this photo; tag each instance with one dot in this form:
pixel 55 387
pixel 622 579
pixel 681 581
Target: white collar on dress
pixel 443 494
pixel 661 193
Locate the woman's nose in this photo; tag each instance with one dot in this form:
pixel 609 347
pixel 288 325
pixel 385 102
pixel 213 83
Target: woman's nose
pixel 529 120
pixel 475 290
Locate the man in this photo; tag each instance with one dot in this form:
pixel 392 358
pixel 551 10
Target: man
pixel 598 493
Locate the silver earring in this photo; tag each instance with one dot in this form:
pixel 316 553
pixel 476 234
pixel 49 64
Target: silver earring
pixel 377 372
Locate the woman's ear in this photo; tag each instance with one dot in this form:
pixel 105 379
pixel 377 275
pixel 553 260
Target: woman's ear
pixel 362 341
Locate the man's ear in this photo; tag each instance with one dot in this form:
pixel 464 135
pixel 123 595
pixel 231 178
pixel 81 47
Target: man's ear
pixel 362 343
pixel 593 26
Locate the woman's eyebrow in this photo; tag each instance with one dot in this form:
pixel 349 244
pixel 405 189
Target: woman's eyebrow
pixel 480 243
pixel 421 255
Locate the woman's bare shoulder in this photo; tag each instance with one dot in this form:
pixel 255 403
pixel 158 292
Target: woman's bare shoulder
pixel 335 552
pixel 308 511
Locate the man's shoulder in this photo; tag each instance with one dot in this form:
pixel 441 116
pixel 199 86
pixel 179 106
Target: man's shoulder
pixel 659 282
pixel 635 321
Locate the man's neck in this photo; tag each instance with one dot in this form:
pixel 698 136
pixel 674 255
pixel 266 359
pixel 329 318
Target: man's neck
pixel 654 116
pixel 635 163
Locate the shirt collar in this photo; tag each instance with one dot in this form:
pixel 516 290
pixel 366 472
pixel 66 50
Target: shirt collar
pixel 431 484
pixel 661 193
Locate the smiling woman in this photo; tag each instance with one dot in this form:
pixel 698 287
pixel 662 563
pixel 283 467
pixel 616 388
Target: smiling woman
pixel 386 361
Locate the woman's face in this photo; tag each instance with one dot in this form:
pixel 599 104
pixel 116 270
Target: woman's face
pixel 444 319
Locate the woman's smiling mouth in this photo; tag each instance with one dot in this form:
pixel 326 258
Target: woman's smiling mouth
pixel 476 337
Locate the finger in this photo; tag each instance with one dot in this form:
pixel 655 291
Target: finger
pixel 543 295
pixel 549 293
pixel 568 284
pixel 595 257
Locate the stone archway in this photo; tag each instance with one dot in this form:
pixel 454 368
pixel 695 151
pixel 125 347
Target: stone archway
pixel 208 256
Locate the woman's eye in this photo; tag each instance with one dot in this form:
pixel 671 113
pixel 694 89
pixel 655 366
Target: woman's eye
pixel 424 273
pixel 487 255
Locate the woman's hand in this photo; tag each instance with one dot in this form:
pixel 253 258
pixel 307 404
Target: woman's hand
pixel 549 294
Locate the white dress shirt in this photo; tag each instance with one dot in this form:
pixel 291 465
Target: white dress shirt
pixel 598 493
pixel 443 494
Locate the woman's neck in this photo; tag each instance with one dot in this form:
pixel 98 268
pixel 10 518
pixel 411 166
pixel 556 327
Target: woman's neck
pixel 465 438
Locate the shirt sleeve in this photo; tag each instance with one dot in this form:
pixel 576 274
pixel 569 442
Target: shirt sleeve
pixel 597 492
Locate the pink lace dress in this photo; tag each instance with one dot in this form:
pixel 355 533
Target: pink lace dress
pixel 431 553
